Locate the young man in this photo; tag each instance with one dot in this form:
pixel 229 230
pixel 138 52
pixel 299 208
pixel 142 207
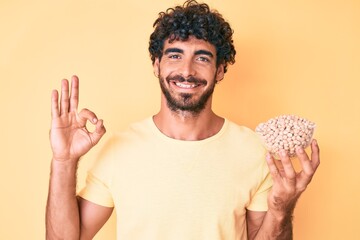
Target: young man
pixel 184 173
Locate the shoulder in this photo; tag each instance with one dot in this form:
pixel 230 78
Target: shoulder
pixel 120 143
pixel 134 132
pixel 243 138
pixel 243 133
pixel 140 133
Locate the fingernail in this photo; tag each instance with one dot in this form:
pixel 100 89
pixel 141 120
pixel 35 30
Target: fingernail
pixel 94 120
pixel 283 153
pixel 268 156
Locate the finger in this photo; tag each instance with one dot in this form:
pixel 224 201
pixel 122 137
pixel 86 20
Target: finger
pixel 307 168
pixel 99 132
pixel 315 154
pixel 55 104
pixel 74 96
pixel 64 99
pixel 272 167
pixel 87 115
pixel 289 171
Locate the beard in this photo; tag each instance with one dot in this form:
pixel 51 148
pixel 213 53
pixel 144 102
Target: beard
pixel 186 102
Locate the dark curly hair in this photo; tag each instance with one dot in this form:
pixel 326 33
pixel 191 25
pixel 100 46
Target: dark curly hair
pixel 193 19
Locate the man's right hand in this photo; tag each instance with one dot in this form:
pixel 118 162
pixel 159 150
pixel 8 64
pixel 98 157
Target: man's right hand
pixel 69 136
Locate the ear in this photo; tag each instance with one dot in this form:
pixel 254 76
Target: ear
pixel 220 73
pixel 156 67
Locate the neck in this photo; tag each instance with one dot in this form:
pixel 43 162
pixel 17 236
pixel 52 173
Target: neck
pixel 187 126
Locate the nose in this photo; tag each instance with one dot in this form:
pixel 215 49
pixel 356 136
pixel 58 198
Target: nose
pixel 187 69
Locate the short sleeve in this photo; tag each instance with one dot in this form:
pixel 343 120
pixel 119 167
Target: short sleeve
pixel 96 191
pixel 99 178
pixel 259 199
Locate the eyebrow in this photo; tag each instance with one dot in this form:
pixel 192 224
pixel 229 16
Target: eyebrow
pixel 204 52
pixel 173 50
pixel 178 50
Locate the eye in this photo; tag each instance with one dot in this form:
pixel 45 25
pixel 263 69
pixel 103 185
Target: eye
pixel 203 59
pixel 174 56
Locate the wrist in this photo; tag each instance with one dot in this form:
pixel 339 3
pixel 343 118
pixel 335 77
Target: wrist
pixel 280 208
pixel 65 160
pixel 66 166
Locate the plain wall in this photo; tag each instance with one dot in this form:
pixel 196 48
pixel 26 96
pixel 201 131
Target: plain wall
pixel 293 57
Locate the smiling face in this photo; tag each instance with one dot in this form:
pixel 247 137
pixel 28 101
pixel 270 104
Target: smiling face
pixel 188 74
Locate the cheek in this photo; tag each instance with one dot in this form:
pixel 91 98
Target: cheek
pixel 166 71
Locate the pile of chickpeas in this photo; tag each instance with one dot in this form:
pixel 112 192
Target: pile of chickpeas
pixel 286 132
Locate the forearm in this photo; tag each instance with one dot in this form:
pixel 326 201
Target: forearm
pixel 276 227
pixel 62 212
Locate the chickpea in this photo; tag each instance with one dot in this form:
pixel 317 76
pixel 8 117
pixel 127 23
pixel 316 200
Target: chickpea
pixel 286 132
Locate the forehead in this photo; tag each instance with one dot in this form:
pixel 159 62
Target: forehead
pixel 191 45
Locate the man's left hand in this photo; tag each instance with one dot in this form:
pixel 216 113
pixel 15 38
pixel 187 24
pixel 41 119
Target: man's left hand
pixel 289 184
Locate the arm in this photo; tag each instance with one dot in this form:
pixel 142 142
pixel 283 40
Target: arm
pixel 68 216
pixel 276 223
pixel 69 141
pixel 264 225
pixel 62 213
pixel 93 217
pixel 253 221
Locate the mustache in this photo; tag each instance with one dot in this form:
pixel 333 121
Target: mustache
pixel 190 79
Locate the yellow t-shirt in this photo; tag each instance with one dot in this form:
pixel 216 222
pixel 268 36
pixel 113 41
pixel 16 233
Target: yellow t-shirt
pixel 167 189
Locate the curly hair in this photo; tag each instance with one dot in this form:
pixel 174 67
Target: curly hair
pixel 193 19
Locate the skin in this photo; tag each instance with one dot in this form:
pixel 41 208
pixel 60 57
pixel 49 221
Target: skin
pixel 288 186
pixel 70 217
pixel 186 125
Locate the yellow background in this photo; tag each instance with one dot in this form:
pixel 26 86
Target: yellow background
pixel 298 57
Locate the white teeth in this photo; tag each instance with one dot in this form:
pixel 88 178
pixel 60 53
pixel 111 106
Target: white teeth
pixel 185 85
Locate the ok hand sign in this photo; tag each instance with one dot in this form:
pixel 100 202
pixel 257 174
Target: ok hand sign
pixel 69 137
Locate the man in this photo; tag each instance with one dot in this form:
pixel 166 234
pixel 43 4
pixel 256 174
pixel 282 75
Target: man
pixel 184 173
